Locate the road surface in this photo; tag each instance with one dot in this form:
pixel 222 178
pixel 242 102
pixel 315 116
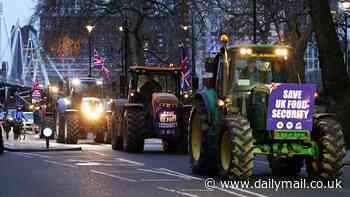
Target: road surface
pixel 100 171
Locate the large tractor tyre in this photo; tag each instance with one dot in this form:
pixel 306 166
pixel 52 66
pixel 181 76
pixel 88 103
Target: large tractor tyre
pixel 108 138
pixel 133 140
pixel 290 166
pixel 203 161
pixel 329 164
pixel 117 138
pixel 72 129
pixel 236 147
pixel 60 128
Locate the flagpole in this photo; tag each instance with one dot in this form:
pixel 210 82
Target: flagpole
pixel 89 29
pixel 90 66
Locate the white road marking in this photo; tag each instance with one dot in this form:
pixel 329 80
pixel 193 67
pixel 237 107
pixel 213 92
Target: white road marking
pixel 60 164
pixel 230 192
pixel 113 176
pixel 177 192
pixel 23 155
pixel 90 160
pixel 181 174
pixel 131 162
pixel 98 153
pixel 93 164
pixel 159 180
pixel 165 173
pixel 37 155
pixel 241 190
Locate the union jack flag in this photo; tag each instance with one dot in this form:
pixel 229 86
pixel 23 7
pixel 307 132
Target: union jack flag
pixel 186 83
pixel 99 64
pixel 98 60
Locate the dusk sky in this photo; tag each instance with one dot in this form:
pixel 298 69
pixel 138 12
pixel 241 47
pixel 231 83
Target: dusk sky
pixel 13 11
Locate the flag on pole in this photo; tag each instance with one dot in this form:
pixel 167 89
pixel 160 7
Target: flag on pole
pixel 186 83
pixel 99 64
pixel 98 61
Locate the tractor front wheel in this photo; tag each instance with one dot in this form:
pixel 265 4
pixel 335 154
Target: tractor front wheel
pixel 203 161
pixel 71 129
pixel 236 149
pixel 330 162
pixel 133 140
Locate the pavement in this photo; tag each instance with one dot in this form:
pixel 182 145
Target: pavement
pixel 33 143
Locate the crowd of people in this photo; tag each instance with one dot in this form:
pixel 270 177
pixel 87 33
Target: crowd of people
pixel 14 122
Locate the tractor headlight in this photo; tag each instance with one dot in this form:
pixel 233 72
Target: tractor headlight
pixel 282 52
pixel 186 95
pixel 92 111
pixel 220 103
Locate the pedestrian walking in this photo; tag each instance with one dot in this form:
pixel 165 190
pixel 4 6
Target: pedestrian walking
pixel 18 124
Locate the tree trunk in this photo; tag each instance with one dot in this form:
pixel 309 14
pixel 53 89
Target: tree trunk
pixel 298 40
pixel 334 72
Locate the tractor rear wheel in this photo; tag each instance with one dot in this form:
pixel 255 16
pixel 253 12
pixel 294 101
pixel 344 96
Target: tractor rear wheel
pixel 133 140
pixel 117 138
pixel 290 166
pixel 72 129
pixel 236 148
pixel 330 162
pixel 202 160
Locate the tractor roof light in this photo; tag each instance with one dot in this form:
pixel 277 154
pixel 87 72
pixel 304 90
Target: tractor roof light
pixel 76 82
pixel 245 51
pixel 224 39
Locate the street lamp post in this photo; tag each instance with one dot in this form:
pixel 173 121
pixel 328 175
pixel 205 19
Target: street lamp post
pixel 89 29
pixel 254 22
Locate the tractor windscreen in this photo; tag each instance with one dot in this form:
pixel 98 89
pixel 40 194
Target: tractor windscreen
pixel 167 83
pixel 88 88
pixel 264 70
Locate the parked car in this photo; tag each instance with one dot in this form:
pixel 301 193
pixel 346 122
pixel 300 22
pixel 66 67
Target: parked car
pixel 28 121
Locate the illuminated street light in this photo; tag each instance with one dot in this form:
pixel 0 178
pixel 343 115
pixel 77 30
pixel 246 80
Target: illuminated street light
pixel 185 27
pixel 90 28
pixel 121 28
pixel 54 89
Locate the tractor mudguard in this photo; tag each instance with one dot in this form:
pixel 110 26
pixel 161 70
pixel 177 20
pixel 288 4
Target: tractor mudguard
pixel 209 98
pixel 70 111
pixel 322 115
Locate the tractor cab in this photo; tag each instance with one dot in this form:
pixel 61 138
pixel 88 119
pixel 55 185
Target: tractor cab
pixel 86 87
pixel 145 81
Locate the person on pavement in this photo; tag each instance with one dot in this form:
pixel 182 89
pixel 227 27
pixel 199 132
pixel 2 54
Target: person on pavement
pixel 18 125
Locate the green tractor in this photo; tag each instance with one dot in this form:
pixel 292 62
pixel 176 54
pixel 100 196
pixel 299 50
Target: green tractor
pixel 154 109
pixel 252 110
pixel 84 109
